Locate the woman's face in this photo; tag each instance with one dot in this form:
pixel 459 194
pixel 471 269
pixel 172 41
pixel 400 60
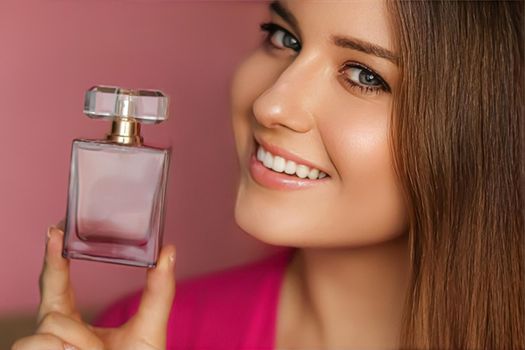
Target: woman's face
pixel 319 104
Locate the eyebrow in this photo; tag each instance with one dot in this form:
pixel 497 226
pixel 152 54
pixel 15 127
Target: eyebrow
pixel 340 41
pixel 277 7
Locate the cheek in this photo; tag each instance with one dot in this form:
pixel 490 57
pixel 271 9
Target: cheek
pixel 358 145
pixel 241 95
pixel 243 91
pixel 249 81
pixel 370 196
pixel 253 76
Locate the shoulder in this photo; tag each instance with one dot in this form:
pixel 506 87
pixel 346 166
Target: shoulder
pixel 234 298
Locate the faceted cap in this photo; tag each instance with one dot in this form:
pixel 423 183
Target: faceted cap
pixel 108 102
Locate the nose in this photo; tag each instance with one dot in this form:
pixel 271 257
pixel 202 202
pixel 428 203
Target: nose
pixel 287 102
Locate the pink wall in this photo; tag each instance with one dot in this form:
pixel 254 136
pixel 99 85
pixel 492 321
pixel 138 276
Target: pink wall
pixel 51 52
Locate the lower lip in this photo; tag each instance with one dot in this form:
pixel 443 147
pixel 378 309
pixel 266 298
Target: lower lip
pixel 279 181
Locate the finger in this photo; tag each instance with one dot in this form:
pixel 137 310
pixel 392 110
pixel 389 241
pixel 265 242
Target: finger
pixel 61 224
pixel 39 342
pixel 157 298
pixel 76 315
pixel 70 331
pixel 55 289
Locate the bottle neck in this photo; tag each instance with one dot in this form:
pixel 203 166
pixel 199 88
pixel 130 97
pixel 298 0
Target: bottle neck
pixel 125 131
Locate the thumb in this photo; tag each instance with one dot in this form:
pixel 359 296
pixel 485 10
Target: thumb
pixel 151 319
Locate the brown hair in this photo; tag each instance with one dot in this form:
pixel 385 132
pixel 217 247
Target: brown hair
pixel 457 136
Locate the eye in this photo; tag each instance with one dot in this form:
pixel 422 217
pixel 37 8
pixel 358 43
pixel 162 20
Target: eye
pixel 367 81
pixel 355 75
pixel 279 37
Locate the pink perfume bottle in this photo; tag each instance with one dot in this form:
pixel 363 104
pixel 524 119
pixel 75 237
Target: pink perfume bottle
pixel 117 185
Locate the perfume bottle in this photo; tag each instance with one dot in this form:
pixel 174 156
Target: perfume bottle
pixel 117 185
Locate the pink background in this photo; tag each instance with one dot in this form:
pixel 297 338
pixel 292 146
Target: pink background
pixel 51 52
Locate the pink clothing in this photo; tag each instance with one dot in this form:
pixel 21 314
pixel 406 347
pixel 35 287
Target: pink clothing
pixel 231 309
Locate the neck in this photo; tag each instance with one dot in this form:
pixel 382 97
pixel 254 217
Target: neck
pixel 353 296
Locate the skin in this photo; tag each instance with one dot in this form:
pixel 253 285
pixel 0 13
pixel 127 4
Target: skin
pixel 346 285
pixel 60 326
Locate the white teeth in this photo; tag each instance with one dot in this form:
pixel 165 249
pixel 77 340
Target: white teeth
pixel 302 171
pixel 260 154
pixel 312 175
pixel 268 160
pixel 279 164
pixel 290 167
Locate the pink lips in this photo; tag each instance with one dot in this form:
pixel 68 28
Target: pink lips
pixel 280 181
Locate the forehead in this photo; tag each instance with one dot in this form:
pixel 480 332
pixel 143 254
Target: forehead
pixel 362 19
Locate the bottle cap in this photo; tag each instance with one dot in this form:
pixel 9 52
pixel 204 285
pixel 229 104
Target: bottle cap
pixel 111 102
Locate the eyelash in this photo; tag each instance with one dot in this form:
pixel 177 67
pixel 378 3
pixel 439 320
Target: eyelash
pixel 270 28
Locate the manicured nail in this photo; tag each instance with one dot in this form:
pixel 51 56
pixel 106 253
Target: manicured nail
pixel 171 259
pixel 69 347
pixel 48 233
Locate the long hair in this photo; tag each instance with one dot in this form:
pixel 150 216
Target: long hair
pixel 457 140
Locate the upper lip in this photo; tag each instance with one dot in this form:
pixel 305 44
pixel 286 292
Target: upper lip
pixel 275 150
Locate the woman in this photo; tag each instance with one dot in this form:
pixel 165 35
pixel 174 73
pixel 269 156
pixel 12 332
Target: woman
pixel 382 140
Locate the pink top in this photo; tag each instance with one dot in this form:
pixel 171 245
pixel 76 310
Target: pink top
pixel 229 309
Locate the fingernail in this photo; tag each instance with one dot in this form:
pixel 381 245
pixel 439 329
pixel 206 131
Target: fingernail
pixel 171 259
pixel 48 233
pixel 69 347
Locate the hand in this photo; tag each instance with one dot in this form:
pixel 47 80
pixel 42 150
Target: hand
pixel 60 325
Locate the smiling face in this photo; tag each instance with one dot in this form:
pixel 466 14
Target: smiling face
pixel 317 94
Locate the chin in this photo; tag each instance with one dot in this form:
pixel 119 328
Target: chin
pixel 285 227
pixel 261 224
pixel 272 229
pixel 291 227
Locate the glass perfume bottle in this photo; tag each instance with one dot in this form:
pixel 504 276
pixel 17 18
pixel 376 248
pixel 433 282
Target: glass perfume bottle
pixel 117 185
